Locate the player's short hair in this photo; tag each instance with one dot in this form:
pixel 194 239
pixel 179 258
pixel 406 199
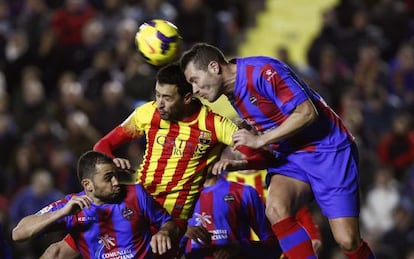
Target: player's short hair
pixel 172 74
pixel 88 161
pixel 201 54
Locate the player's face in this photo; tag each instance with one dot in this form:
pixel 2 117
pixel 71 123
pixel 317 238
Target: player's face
pixel 206 84
pixel 170 103
pixel 106 186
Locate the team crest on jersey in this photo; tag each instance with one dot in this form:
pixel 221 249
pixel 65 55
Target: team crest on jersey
pixel 204 137
pixel 202 219
pixel 253 100
pixel 228 198
pixel 127 213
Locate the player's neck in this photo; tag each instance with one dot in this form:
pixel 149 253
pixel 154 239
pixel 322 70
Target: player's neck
pixel 229 78
pixel 191 111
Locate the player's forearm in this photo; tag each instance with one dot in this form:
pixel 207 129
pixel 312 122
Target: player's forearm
pixel 171 228
pixel 32 225
pixel 304 115
pixel 112 140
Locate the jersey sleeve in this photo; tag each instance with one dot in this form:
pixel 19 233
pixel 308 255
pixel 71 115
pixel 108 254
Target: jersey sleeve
pixel 155 213
pixel 57 205
pixel 141 118
pixel 225 129
pixel 281 85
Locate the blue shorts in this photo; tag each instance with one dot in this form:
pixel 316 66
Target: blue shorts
pixel 333 177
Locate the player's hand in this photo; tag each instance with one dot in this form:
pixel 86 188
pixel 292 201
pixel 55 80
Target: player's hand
pixel 76 204
pixel 228 165
pixel 161 242
pixel 316 244
pixel 199 234
pixel 122 163
pixel 246 138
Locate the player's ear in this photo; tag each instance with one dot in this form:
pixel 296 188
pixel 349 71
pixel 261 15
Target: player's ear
pixel 87 185
pixel 213 67
pixel 188 97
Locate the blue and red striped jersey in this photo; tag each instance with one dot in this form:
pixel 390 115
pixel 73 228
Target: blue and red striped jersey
pixel 228 210
pixel 267 92
pixel 116 230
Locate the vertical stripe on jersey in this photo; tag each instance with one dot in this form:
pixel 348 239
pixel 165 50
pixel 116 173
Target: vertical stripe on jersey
pixel 203 162
pixel 166 153
pixel 207 207
pixel 181 164
pixel 81 238
pixel 233 210
pixel 106 230
pixel 131 202
pixel 155 123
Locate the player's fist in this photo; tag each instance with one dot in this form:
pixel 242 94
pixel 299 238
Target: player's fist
pixel 76 204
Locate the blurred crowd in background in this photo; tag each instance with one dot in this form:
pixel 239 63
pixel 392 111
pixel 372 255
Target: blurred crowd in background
pixel 70 72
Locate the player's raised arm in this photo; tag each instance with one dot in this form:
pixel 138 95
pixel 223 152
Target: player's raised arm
pixel 116 137
pixel 34 224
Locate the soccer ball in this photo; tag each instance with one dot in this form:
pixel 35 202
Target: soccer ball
pixel 158 41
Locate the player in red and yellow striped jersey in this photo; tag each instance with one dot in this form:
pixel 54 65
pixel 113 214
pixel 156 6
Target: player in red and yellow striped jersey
pixel 177 152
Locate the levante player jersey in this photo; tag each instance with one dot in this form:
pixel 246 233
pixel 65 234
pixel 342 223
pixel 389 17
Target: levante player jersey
pixel 118 230
pixel 228 210
pixel 178 153
pixel 266 93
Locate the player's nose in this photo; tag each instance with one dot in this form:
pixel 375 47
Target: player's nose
pixel 196 90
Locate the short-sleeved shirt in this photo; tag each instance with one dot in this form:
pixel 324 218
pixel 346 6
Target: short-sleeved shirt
pixel 118 230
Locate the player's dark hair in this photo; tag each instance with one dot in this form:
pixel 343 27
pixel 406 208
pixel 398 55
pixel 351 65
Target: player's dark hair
pixel 201 54
pixel 88 161
pixel 172 74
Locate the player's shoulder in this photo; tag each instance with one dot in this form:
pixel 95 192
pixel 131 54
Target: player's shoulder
pixel 145 110
pixel 242 187
pixel 148 106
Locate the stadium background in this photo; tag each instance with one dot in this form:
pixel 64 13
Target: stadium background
pixel 69 73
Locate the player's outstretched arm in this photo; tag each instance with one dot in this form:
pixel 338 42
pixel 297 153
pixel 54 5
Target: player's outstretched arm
pixel 32 225
pixel 161 241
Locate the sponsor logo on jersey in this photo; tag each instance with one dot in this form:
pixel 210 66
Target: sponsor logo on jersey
pixel 202 219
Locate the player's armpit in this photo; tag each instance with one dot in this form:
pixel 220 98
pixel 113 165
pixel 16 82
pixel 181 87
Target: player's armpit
pixel 61 250
pixel 112 140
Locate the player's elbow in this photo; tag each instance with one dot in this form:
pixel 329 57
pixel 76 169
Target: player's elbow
pixel 18 234
pixel 309 114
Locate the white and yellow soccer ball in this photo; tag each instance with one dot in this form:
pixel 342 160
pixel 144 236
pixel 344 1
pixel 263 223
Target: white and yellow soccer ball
pixel 158 41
